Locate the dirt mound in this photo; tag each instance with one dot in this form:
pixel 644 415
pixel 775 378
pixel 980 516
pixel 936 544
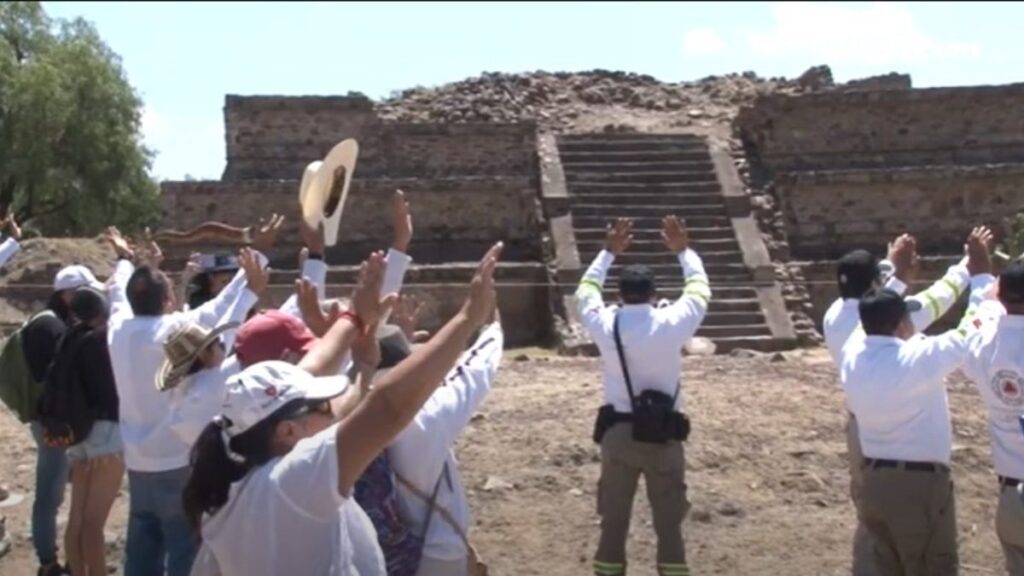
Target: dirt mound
pixel 41 258
pixel 569 102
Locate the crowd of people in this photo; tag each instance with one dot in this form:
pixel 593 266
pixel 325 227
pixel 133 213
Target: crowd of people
pixel 318 438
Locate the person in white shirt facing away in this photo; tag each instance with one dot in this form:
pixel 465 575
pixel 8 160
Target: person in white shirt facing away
pixel 995 363
pixel 11 245
pixel 893 378
pixel 641 426
pixel 272 476
pixel 858 272
pixel 143 315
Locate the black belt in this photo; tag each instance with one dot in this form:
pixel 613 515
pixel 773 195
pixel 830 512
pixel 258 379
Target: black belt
pixel 1006 481
pixel 912 466
pixel 621 417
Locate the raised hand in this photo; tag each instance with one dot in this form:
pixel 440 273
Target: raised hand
pixel 265 234
pixel 367 301
pixel 11 225
pixel 312 238
pixel 366 350
pixel 903 255
pixel 256 277
pixel 401 222
pixel 151 251
pixel 406 315
pixel 318 321
pixel 481 300
pixel 674 234
pixel 120 245
pixel 979 251
pixel 620 235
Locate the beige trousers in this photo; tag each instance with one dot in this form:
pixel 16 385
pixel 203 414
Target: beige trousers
pixel 435 567
pixel 1010 529
pixel 863 554
pixel 623 461
pixel 911 516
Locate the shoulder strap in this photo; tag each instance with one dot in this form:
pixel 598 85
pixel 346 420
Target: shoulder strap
pixel 431 502
pixel 622 361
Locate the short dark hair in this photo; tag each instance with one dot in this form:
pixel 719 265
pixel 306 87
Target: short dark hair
pixel 88 304
pixel 857 273
pixel 1011 284
pixel 148 289
pixel 882 310
pixel 636 284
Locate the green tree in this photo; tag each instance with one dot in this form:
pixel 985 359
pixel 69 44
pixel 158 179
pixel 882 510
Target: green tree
pixel 1013 229
pixel 71 153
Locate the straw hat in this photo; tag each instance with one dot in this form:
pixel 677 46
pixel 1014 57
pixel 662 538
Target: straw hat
pixel 181 350
pixel 319 180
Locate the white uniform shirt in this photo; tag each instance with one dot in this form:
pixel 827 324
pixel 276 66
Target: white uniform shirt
pixel 424 448
pixel 8 249
pixel 652 337
pixel 136 355
pixel 995 363
pixel 287 517
pixel 843 317
pixel 895 388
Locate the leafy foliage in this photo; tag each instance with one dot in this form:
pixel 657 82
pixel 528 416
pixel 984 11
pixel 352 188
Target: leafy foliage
pixel 71 153
pixel 1013 235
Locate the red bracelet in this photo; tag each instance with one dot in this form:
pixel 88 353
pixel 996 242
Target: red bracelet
pixel 360 325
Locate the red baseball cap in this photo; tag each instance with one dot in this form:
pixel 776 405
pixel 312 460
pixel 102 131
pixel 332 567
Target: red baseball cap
pixel 268 336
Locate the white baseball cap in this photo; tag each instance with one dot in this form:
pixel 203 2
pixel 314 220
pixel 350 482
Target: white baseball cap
pixel 262 389
pixel 74 277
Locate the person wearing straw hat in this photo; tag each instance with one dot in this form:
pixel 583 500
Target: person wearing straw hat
pixel 277 457
pixel 857 273
pixel 995 363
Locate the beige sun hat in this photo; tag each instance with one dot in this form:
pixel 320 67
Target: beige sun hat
pixel 181 350
pixel 318 189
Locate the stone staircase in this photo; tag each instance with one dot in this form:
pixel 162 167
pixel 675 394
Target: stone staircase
pixel 645 177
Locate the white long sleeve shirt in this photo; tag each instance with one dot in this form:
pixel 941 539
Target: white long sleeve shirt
pixel 136 355
pixel 8 249
pixel 895 388
pixel 652 337
pixel 995 363
pixel 842 318
pixel 423 450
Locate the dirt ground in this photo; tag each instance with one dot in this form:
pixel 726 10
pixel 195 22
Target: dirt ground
pixel 766 471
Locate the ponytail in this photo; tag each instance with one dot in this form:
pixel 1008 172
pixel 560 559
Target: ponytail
pixel 214 470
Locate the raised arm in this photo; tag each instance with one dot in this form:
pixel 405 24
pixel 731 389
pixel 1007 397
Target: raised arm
pixel 11 245
pixel 214 311
pixel 684 316
pixel 589 299
pixel 118 283
pixel 399 394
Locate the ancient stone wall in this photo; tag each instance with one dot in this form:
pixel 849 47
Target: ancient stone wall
pixel 829 213
pixel 276 137
pixel 870 129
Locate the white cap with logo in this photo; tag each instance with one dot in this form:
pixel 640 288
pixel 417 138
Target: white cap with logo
pixel 264 388
pixel 74 277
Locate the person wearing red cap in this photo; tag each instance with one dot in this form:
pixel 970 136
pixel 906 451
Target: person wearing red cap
pixel 277 458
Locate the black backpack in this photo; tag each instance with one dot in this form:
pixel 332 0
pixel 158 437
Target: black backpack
pixel 64 412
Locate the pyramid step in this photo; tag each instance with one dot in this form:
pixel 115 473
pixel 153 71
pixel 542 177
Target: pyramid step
pixel 612 155
pixel 718 318
pixel 650 223
pixel 674 270
pixel 697 235
pixel 655 199
pixel 634 210
pixel 664 257
pixel 724 345
pixel 730 296
pixel 631 145
pixel 640 166
pixel 644 188
pixel 662 176
pixel 669 278
pixel 646 246
pixel 646 136
pixel 733 331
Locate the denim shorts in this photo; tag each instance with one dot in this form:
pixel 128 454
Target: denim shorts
pixel 104 439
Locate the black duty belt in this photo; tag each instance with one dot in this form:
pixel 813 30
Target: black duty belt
pixel 906 465
pixel 1006 481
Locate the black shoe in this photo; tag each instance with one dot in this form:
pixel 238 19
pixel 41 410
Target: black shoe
pixel 54 569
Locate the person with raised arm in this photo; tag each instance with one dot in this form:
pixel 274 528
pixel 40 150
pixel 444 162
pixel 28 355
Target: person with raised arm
pixel 271 477
pixel 641 427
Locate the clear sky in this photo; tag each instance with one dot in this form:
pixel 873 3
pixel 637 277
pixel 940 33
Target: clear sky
pixel 184 57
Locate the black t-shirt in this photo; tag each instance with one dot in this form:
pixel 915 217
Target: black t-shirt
pixel 39 341
pixel 96 375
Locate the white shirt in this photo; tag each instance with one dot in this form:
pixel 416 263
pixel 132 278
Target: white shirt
pixel 8 249
pixel 652 337
pixel 842 318
pixel 287 517
pixel 995 363
pixel 136 355
pixel 420 453
pixel 895 388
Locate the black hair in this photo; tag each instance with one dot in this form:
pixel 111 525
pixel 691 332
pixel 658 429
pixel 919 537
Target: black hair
pixel 148 289
pixel 856 288
pixel 59 307
pixel 199 290
pixel 213 471
pixel 88 305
